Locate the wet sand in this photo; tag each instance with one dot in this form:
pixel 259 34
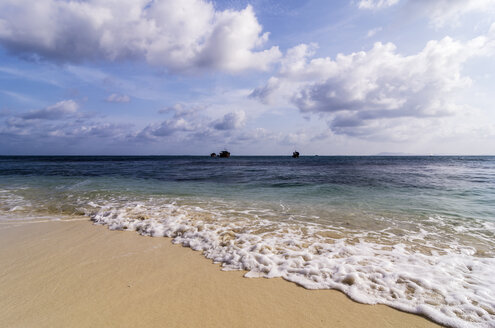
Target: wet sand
pixel 76 274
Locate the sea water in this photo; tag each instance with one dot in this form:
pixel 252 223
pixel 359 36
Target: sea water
pixel 415 233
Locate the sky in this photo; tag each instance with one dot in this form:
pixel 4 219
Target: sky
pixel 260 77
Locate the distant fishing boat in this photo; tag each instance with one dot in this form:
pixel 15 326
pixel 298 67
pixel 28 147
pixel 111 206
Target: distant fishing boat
pixel 295 154
pixel 224 154
pixel 213 155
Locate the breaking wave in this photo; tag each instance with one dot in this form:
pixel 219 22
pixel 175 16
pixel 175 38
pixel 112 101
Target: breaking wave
pixel 448 278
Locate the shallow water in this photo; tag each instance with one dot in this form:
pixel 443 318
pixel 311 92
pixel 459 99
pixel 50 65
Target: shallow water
pixel 416 233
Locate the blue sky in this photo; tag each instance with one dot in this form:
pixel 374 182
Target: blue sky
pixel 257 77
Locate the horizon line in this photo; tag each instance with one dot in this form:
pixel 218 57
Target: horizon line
pixel 250 155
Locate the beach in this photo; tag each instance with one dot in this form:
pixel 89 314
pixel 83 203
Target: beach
pixel 220 163
pixel 124 241
pixel 76 274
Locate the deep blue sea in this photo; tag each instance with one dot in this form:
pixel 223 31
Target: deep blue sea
pixel 415 233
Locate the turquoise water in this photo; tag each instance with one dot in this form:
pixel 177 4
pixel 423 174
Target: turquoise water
pixel 416 233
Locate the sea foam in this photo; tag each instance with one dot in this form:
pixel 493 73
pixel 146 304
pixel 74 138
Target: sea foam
pixel 424 271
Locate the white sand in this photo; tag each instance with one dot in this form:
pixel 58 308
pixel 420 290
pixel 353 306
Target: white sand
pixel 75 274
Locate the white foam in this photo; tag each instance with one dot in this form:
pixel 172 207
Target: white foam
pixel 419 271
pixel 11 202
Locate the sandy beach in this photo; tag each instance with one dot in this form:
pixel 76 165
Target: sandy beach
pixel 76 274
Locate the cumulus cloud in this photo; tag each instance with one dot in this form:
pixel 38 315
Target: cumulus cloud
pixel 58 111
pixel 376 4
pixel 293 69
pixel 183 119
pixel 100 130
pixel 179 35
pixel 186 129
pixel 58 125
pixel 230 121
pixel 63 119
pixel 169 127
pixel 377 85
pixel 190 122
pixel 117 98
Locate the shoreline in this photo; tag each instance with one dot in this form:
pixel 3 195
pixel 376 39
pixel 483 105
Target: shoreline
pixel 77 274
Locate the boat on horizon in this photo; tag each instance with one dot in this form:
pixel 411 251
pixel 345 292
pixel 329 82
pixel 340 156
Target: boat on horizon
pixel 224 154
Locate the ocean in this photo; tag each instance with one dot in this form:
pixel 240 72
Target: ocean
pixel 414 233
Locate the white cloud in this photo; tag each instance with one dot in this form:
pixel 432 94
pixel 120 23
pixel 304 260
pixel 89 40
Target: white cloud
pixel 58 111
pixel 448 12
pixel 180 110
pixel 18 96
pixel 62 121
pixel 184 119
pixel 117 98
pixel 376 4
pixel 296 138
pixel 188 128
pixel 30 75
pixel 230 121
pixel 440 13
pixel 361 92
pixel 294 68
pixel 179 35
pixel 373 31
pixel 169 127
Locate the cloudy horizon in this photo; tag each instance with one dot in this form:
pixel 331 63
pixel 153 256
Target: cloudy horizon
pixel 260 77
